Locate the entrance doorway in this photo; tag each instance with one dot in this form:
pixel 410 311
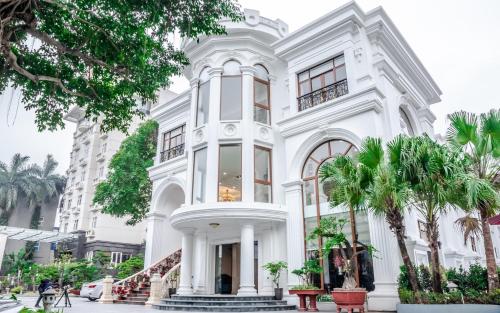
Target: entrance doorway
pixel 227 268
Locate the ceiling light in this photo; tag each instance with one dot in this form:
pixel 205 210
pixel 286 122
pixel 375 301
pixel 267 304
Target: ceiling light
pixel 214 225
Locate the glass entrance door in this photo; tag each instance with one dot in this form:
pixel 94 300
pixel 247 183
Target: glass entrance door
pixel 227 268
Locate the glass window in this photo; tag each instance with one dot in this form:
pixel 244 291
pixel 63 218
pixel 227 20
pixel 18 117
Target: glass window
pixel 173 143
pixel 229 173
pixel 405 121
pixel 263 176
pixel 322 83
pixel 230 102
pixel 203 103
pixel 261 102
pixel 199 176
pixel 316 198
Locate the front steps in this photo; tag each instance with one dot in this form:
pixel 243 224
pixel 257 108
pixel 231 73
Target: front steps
pixel 137 297
pixel 223 303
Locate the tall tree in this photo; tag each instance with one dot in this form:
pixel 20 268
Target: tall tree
pixel 16 181
pixel 47 185
pixel 479 140
pixel 101 55
pixel 371 181
pixel 127 188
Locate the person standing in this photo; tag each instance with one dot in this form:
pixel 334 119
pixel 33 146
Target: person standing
pixel 44 285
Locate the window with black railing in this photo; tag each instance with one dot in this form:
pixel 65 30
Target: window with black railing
pixel 322 83
pixel 173 143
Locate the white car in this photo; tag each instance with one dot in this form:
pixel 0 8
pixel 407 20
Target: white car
pixel 87 289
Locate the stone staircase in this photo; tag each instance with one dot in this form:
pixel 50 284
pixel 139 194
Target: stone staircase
pixel 136 288
pixel 223 303
pixel 138 296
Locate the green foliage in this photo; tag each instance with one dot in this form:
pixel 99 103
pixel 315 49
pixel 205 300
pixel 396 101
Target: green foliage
pixel 100 55
pixel 127 189
pixel 275 269
pixel 476 278
pixel 14 262
pixel 305 273
pixel 324 298
pixel 130 267
pixel 17 290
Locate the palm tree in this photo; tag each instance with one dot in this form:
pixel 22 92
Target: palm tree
pixel 372 182
pixel 479 140
pixel 47 186
pixel 16 181
pixel 435 176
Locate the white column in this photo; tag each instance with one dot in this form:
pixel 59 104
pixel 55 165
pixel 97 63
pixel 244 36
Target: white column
pixel 190 126
pixel 200 268
pixel 267 251
pixel 247 128
pixel 385 266
pixel 212 136
pixel 294 229
pixel 3 243
pixel 247 285
pixel 154 238
pixel 107 290
pixel 185 284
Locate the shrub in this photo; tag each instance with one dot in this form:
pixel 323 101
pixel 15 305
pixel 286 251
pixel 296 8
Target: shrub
pixel 16 290
pixel 424 278
pixel 131 266
pixel 475 279
pixel 324 298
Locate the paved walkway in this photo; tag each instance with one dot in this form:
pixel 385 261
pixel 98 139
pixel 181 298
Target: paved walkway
pixel 81 305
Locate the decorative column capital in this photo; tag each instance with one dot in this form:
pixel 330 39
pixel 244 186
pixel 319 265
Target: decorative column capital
pixel 153 216
pixel 293 185
pixel 247 70
pixel 194 82
pixel 215 71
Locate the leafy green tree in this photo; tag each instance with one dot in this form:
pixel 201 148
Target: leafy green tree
pixel 101 55
pixel 16 181
pixel 275 269
pixel 372 181
pixel 127 188
pixel 131 266
pixel 478 138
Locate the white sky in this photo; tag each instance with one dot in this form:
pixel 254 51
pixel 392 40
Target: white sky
pixel 458 41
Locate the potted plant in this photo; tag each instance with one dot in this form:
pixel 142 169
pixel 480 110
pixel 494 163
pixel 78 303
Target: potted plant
pixel 331 230
pixel 306 288
pixel 274 269
pixel 172 282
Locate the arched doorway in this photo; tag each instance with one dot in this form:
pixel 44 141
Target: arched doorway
pixel 316 206
pixel 162 238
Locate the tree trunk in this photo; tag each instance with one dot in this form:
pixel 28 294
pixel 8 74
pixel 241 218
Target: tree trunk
pixel 433 236
pixel 491 266
pixel 396 224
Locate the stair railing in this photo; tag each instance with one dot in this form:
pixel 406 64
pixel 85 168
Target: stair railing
pixel 170 280
pixel 163 266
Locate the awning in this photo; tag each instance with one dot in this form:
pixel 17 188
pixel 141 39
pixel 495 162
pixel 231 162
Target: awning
pixel 26 234
pixel 495 220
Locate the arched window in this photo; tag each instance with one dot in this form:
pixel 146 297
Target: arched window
pixel 405 123
pixel 261 98
pixel 203 103
pixel 316 206
pixel 230 99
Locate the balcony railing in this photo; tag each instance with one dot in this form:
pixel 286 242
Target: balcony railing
pixel 324 94
pixel 172 153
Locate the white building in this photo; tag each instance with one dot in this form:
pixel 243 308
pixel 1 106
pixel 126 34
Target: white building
pixel 235 179
pixel 90 156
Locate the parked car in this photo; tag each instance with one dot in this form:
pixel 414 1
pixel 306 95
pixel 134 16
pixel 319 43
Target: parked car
pixel 95 289
pixel 88 287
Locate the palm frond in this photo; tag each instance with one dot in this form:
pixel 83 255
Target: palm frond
pixel 469 226
pixel 463 128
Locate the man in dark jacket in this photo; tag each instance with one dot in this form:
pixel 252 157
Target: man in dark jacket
pixel 44 285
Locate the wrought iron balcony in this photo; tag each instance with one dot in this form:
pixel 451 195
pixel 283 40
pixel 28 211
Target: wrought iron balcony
pixel 324 94
pixel 172 153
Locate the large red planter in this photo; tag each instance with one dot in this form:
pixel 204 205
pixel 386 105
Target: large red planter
pixel 349 298
pixel 303 294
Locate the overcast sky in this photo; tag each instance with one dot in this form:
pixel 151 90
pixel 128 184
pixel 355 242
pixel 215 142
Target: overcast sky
pixel 458 41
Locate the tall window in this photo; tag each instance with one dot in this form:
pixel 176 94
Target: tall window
pixel 316 206
pixel 230 99
pixel 69 204
pixel 203 103
pixel 263 176
pixel 75 224
pixel 261 96
pixel 199 176
pixel 173 143
pixel 229 173
pixel 322 83
pixel 422 230
pixel 79 200
pixel 94 221
pixel 405 123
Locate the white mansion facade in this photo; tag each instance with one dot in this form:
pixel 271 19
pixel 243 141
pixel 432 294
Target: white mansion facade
pixel 235 178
